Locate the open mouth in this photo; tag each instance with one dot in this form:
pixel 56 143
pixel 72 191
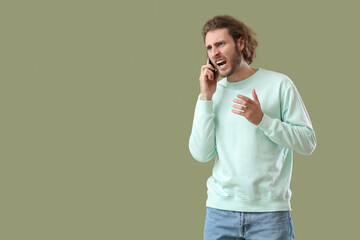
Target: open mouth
pixel 221 64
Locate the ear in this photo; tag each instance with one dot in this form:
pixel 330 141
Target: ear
pixel 240 43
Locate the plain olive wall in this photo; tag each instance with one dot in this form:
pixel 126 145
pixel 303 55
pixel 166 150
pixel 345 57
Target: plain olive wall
pixel 97 101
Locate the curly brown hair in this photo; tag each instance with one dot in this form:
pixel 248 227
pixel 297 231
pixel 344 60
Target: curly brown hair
pixel 236 29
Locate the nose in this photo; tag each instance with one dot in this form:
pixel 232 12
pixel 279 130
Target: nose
pixel 214 51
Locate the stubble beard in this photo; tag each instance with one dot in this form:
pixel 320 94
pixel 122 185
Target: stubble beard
pixel 235 62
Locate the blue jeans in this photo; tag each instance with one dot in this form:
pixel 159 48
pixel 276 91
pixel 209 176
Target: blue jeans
pixel 232 225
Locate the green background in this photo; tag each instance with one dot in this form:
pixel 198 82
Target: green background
pixel 97 101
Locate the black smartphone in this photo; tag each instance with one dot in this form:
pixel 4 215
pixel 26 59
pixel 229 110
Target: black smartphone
pixel 214 71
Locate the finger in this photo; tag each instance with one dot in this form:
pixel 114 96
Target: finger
pixel 209 74
pixel 207 66
pixel 240 107
pixel 237 112
pixel 240 101
pixel 255 96
pixel 244 98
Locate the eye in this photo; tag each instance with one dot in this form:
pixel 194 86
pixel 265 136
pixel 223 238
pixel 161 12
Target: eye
pixel 221 43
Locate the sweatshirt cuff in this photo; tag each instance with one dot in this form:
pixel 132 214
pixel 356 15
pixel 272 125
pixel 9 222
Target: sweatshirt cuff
pixel 265 124
pixel 204 106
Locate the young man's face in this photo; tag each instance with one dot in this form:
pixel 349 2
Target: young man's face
pixel 222 51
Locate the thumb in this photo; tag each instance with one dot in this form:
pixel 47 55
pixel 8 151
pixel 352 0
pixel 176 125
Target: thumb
pixel 216 75
pixel 255 96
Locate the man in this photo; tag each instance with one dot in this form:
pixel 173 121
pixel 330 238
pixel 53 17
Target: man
pixel 251 121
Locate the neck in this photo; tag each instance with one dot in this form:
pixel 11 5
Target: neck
pixel 242 72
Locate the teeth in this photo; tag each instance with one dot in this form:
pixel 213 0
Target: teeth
pixel 219 62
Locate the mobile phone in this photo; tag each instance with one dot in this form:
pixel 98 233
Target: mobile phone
pixel 214 71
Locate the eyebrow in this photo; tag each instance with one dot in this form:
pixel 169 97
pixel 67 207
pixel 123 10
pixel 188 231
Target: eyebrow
pixel 216 43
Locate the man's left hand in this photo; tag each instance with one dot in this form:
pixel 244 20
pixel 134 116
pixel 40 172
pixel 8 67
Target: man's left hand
pixel 251 109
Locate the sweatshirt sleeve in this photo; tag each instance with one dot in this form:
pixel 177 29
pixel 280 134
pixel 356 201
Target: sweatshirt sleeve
pixel 202 143
pixel 294 130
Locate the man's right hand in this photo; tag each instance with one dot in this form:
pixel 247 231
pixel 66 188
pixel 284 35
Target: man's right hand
pixel 208 81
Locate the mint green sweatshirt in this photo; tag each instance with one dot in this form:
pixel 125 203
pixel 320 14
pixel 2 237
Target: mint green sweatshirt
pixel 253 164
